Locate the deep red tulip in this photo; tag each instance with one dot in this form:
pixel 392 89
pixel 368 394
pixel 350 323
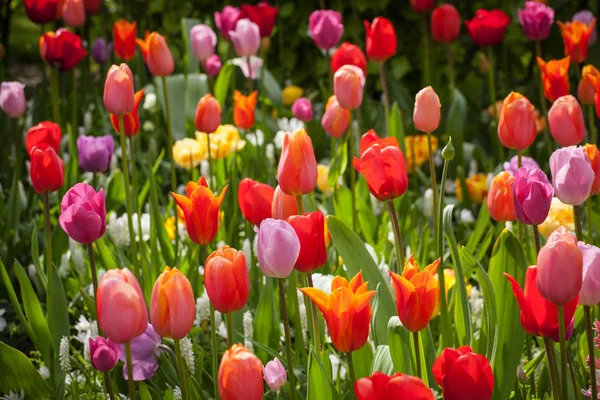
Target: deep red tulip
pixel 131 121
pixel 62 49
pixel 92 6
pixel 124 39
pixel 46 169
pixel 42 11
pixel 381 39
pixel 422 5
pixel 262 15
pixel 44 132
pixel 310 229
pixel 349 53
pixel 398 386
pixel 487 27
pixel 255 200
pixel 445 23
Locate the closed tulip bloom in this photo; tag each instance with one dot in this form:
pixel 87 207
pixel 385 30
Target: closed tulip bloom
pixel 131 120
pixel 310 229
pixel 227 19
pixel 243 109
pixel 487 27
pixel 445 23
pixel 212 65
pixel 347 311
pixel 302 109
pixel 398 386
pixel 382 164
pixel 159 58
pixel 240 375
pixel 118 90
pixel 42 11
pixel 92 6
pixel 61 49
pixel 226 279
pixel 201 210
pixel 566 122
pixel 348 85
pixel 104 353
pixel 335 120
pixel 500 198
pixel 297 170
pixel 516 127
pixel 586 90
pixel 426 114
pixel 94 153
pixel 463 374
pixel 208 114
pixel 245 38
pixel 283 205
pixel 560 268
pixel 326 28
pixel 255 200
pixel 593 154
pixel 45 132
pixel 539 317
pixel 124 33
pixel 536 20
pixel 47 170
pixel 576 36
pixel 83 213
pixel 73 13
pixel 348 53
pixel 274 374
pixel 589 295
pixel 12 98
pixel 122 313
pixel 555 77
pixel 262 14
pixel 417 294
pixel 572 175
pixel 421 6
pixel 203 40
pixel 173 305
pixel 586 16
pixel 274 236
pixel 532 195
pixel 381 39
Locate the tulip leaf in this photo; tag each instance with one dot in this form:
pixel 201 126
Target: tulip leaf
pixel 222 83
pixel 115 190
pixel 455 125
pixel 176 93
pixel 35 255
pixel 397 129
pixel 482 227
pixel 318 384
pixel 57 316
pixel 362 360
pixel 272 88
pixel 265 323
pixel 399 342
pixel 382 362
pixel 18 373
pixel 12 295
pixel 342 204
pixel 196 87
pixel 339 163
pixel 191 62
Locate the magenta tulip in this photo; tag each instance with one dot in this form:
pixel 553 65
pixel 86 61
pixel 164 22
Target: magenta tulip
pixel 12 98
pixel 83 213
pixel 532 194
pixel 302 109
pixel 104 353
pixel 326 28
pixel 536 20
pixel 203 40
pixel 212 65
pixel 227 19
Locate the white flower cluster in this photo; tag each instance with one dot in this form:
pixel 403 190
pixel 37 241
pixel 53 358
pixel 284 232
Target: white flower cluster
pixel 476 301
pixel 187 351
pixel 248 329
pixel 177 393
pixel 86 330
pixel 63 355
pixel 118 230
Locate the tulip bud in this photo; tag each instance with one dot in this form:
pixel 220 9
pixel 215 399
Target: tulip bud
pixel 445 23
pixel 572 175
pixel 12 98
pixel 104 353
pixel 118 90
pixel 95 153
pixel 335 120
pixel 47 170
pixel 172 306
pixel 397 386
pixel 208 114
pixel 240 375
pixel 302 109
pixel 381 39
pixel 283 205
pixel 326 28
pixel 212 65
pixel 297 170
pixel 536 20
pixel 100 50
pixel 463 374
pixel 348 84
pixel 226 279
pixel 348 53
pixel 589 295
pixel 426 115
pixel 227 19
pixel 532 195
pixel 203 40
pixel 275 374
pixel 566 123
pixel 448 151
pixel 83 213
pixel 159 59
pixel 500 198
pixel 516 127
pixel 245 38
pixel 255 200
pixel 273 236
pixel 421 6
pixel 73 13
pixel 310 229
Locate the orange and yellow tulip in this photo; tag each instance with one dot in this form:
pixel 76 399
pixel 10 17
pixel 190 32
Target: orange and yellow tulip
pixel 555 76
pixel 576 36
pixel 476 187
pixel 297 170
pixel 131 120
pixel 590 77
pixel 124 39
pixel 243 109
pixel 143 45
pixel 172 306
pixel 500 198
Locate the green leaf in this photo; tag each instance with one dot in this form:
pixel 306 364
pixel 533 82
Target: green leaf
pixel 338 164
pixel 144 393
pixel 58 321
pixel 115 190
pixel 482 228
pixel 382 362
pixel 15 301
pixel 265 322
pixel 397 126
pixel 456 123
pixel 18 373
pixel 362 360
pixel 166 246
pixel 35 255
pixel 272 88
pixel 318 384
pixel 176 90
pixel 191 61
pixel 399 342
pixel 196 87
pixel 342 204
pixel 222 83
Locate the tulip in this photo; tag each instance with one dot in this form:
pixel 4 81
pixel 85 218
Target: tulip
pixel 243 109
pixel 95 153
pixel 99 50
pixel 227 19
pixel 560 214
pixel 512 166
pixel 262 15
pixel 382 164
pixel 131 120
pixel 42 11
pixel 398 386
pixel 346 310
pixel 572 175
pixel 45 132
pixel 302 109
pixel 61 49
pixel 297 170
pixel 539 317
pixel 122 313
pixel 335 120
pixel 255 200
pixel 12 98
pixel 586 16
pixel 73 13
pixel 226 279
pixel 565 119
pixel 203 40
pixel 212 65
pixel 83 213
pixel 417 150
pixel 325 28
pixel 476 188
pixel 290 94
pixel 381 39
pixel 310 228
pixel 536 20
pixel 92 6
pixel 274 374
pixel 240 375
pixel 586 90
pixel 208 114
pixel 348 53
pixel 555 77
pixel 576 36
pixel 323 180
pixel 417 294
pixel 532 195
pixel 172 306
pixel 201 210
pixel 245 38
pixel 463 374
pixel 593 154
pixel 445 23
pixel 47 170
pixel 422 6
pixel 273 236
pixel 348 85
pixel 104 353
pixel 283 205
pixel 426 115
pixel 118 90
pixel 516 127
pixel 589 295
pixel 145 352
pixel 500 201
pixel 487 27
pixel 143 44
pixel 159 58
pixel 124 39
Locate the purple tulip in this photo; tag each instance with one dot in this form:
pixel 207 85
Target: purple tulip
pixel 536 20
pixel 226 20
pixel 277 248
pixel 144 353
pixel 586 16
pixel 245 38
pixel 526 162
pixel 83 213
pixel 12 98
pixel 203 40
pixel 99 50
pixel 589 295
pixel 326 28
pixel 532 195
pixel 572 175
pixel 95 153
pixel 274 374
pixel 302 109
pixel 104 353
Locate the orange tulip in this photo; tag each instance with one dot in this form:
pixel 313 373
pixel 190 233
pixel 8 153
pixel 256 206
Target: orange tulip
pixel 346 310
pixel 516 127
pixel 476 187
pixel 283 205
pixel 124 39
pixel 335 120
pixel 158 56
pixel 143 45
pixel 208 114
pixel 240 375
pixel 590 77
pixel 297 171
pixel 226 279
pixel 201 210
pixel 576 36
pixel 500 198
pixel 172 306
pixel 593 154
pixel 131 120
pixel 243 109
pixel 555 76
pixel 417 294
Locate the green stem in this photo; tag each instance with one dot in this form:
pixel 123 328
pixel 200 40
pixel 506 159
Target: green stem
pixel 351 368
pixel 136 205
pixel 397 235
pixel 563 350
pixel 299 205
pixel 315 318
pixel 591 119
pixel 170 152
pixel 55 95
pixel 288 340
pixel 130 370
pixel 417 354
pixel 553 369
pixel 386 95
pixel 48 233
pixel 215 350
pixel 436 227
pixel 544 107
pixel 351 151
pixel 450 59
pixel 536 235
pixel 229 329
pixel 590 213
pixel 447 333
pixel 109 386
pixel 181 370
pixel 93 268
pixel 519 165
pixel 578 229
pixel 128 203
pixel 590 340
pixel 330 71
pixel 249 75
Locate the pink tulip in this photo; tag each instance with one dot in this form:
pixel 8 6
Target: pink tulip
pixel 104 353
pixel 274 374
pixel 118 90
pixel 203 40
pixel 426 115
pixel 532 195
pixel 335 120
pixel 326 28
pixel 212 65
pixel 83 213
pixel 572 175
pixel 274 235
pixel 566 122
pixel 283 205
pixel 245 38
pixel 536 20
pixel 348 85
pixel 227 19
pixel 302 109
pixel 73 13
pixel 12 99
pixel 589 295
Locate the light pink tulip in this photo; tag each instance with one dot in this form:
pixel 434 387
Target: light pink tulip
pixel 566 122
pixel 348 85
pixel 245 38
pixel 426 115
pixel 589 295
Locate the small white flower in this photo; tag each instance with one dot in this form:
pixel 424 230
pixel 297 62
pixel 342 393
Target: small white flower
pixel 322 282
pixel 466 216
pixel 187 351
pixel 31 271
pixel 509 225
pixel 254 137
pixel 177 393
pixel 148 126
pixel 3 323
pixel 14 395
pixel 202 309
pixel 303 315
pixel 376 205
pixel 246 249
pixel 63 355
pixel 44 372
pixel 149 101
pixel 221 244
pixel 222 331
pixel 77 256
pixel 336 366
pixel 286 125
pixel 438 160
pixel 270 152
pixel 118 229
pixel 428 203
pixel 248 329
pixel 87 121
pixel 472 167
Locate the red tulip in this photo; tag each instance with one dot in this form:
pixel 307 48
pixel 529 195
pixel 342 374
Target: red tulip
pixel 226 279
pixel 381 39
pixel 124 39
pixel 46 169
pixel 398 386
pixel 208 114
pixel 44 132
pixel 131 120
pixel 422 5
pixel 310 229
pixel 348 53
pixel 42 11
pixel 92 6
pixel 62 50
pixel 445 23
pixel 240 375
pixel 255 200
pixel 262 15
pixel 487 27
